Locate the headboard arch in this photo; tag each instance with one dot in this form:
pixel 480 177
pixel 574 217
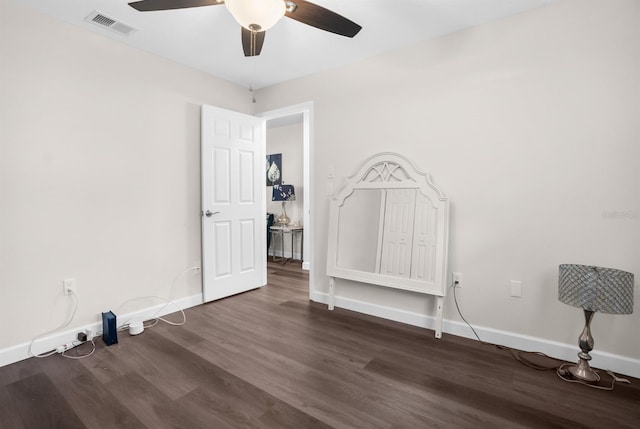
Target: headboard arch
pixel 392 169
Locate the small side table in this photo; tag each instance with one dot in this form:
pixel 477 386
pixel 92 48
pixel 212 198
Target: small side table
pixel 293 231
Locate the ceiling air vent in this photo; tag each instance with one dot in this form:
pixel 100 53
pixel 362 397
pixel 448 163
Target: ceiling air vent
pixel 114 25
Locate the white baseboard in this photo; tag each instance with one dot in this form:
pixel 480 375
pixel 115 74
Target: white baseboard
pixel 617 363
pixel 568 352
pixel 278 254
pixel 21 351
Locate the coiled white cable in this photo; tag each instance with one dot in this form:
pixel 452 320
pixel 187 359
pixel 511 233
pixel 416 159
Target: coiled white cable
pixel 64 325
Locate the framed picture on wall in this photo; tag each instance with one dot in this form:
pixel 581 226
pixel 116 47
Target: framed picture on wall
pixel 274 169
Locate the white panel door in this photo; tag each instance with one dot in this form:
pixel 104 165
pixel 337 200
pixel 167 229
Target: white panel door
pixel 233 204
pixel 424 240
pixel 397 235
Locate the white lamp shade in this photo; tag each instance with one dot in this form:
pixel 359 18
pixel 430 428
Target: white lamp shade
pixel 256 15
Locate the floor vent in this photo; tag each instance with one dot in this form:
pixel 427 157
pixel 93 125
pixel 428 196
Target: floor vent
pixel 114 25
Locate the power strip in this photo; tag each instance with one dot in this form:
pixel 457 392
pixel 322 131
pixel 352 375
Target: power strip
pixel 63 348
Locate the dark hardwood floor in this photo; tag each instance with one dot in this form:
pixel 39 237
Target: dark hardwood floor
pixel 269 358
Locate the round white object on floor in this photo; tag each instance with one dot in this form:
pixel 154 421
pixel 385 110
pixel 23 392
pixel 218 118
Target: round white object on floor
pixel 136 328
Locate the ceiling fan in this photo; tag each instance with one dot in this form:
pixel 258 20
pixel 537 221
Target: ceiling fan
pixel 257 16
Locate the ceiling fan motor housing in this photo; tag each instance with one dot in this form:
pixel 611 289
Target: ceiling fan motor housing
pixel 256 15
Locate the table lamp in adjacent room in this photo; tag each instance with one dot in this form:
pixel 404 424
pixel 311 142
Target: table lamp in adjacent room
pixel 593 289
pixel 283 193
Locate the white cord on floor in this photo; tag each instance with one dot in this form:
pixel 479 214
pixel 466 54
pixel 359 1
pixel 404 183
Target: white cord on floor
pixel 154 318
pixel 93 349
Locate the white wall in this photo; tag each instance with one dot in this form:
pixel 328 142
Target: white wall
pixel 530 126
pixel 99 172
pixel 287 140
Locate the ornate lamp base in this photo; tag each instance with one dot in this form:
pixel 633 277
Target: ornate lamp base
pixel 283 219
pixel 582 370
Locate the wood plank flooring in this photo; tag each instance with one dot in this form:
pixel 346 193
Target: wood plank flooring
pixel 269 358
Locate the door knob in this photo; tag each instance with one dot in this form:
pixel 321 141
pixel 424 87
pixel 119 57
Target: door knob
pixel 209 213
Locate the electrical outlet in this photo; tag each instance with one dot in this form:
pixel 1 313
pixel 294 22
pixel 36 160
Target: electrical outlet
pixel 68 286
pixel 457 279
pixel 89 333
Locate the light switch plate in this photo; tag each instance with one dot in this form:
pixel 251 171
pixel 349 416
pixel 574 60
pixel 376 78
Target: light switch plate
pixel 516 288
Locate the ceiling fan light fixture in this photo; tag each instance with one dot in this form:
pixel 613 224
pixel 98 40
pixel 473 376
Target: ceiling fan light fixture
pixel 256 15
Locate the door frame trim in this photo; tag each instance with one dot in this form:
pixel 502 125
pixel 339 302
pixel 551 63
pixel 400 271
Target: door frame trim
pixel 306 109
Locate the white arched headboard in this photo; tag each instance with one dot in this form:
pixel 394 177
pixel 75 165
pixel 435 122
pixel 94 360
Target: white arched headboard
pixel 389 226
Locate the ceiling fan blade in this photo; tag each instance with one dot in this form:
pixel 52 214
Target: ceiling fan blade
pixel 319 17
pixel 252 42
pixel 153 5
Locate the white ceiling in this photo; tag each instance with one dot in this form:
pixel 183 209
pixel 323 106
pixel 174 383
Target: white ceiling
pixel 207 38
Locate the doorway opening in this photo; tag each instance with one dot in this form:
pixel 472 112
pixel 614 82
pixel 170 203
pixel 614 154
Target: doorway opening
pixel 289 132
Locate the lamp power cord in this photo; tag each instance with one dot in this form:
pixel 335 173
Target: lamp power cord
pixel 559 365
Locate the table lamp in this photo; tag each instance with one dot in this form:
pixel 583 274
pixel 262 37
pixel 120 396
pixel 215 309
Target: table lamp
pixel 283 193
pixel 593 289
